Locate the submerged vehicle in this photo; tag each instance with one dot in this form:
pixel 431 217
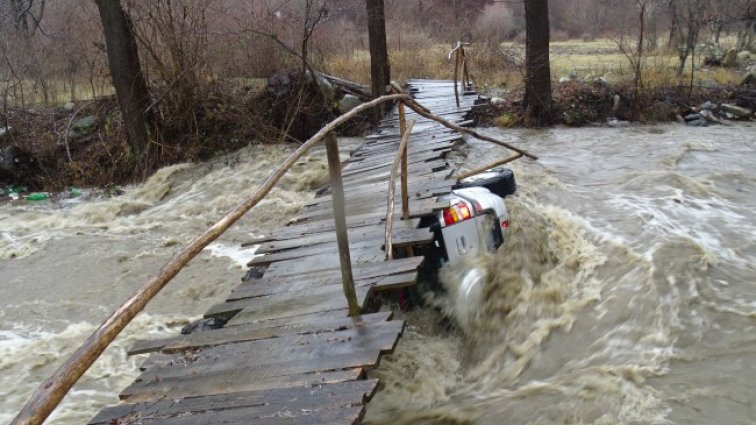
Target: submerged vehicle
pixel 477 218
pixel 475 222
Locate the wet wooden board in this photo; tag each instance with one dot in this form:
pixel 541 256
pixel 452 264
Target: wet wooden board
pixel 253 404
pixel 259 330
pixel 331 296
pixel 328 225
pixel 229 375
pixel 232 382
pixel 378 282
pixel 360 234
pixel 288 353
pixel 417 207
pixel 371 335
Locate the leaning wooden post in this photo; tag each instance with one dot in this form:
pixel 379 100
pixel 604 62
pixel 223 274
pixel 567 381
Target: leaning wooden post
pixel 405 165
pixel 465 71
pixel 339 215
pixel 456 76
pixel 389 244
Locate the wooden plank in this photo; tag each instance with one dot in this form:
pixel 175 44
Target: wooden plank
pixel 418 208
pixel 230 382
pixel 225 376
pixel 253 331
pixel 305 416
pixel 404 235
pixel 262 289
pixel 385 159
pixel 362 250
pixel 438 188
pixel 351 393
pixel 327 225
pixel 374 336
pixel 325 297
pixel 361 271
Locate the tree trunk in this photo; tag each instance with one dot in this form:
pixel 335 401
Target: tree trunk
pixel 126 71
pixel 537 100
pixel 380 71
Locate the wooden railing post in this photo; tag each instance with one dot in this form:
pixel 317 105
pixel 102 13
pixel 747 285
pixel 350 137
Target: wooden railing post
pixel 456 74
pixel 465 72
pixel 400 156
pixel 339 215
pixel 405 164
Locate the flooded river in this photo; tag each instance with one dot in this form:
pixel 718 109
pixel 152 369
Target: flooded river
pixel 65 266
pixel 625 292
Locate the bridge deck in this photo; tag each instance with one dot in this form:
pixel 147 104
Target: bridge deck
pixel 289 354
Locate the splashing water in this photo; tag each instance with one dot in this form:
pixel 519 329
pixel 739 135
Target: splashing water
pixel 65 266
pixel 623 292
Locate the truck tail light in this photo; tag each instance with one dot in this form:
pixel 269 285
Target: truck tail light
pixel 456 213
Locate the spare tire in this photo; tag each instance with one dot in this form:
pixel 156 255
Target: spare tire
pixel 500 181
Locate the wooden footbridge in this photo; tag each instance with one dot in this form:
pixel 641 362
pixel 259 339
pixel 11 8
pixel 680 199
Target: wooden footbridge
pixel 290 353
pixel 294 349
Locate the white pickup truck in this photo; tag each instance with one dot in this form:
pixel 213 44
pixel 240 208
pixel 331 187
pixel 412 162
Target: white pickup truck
pixel 477 218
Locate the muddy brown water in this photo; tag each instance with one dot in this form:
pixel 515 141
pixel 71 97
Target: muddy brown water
pixel 623 294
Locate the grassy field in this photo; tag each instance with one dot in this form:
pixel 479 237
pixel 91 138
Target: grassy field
pixel 488 66
pixel 599 58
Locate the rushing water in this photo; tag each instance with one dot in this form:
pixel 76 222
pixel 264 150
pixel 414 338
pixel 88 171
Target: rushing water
pixel 65 265
pixel 623 294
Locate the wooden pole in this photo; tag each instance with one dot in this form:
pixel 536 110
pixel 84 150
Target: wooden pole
pixel 405 166
pixel 49 394
pixel 487 167
pixel 456 77
pixel 423 112
pixel 465 71
pixel 392 193
pixel 339 216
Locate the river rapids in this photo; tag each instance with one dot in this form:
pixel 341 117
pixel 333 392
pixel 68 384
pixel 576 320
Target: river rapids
pixel 625 291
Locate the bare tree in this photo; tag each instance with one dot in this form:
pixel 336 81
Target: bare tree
pixel 689 15
pixel 380 71
pixel 126 71
pixel 23 11
pixel 537 100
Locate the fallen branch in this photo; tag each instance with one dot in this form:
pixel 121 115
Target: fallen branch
pixel 49 394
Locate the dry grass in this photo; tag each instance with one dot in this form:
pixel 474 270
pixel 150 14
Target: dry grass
pixel 598 58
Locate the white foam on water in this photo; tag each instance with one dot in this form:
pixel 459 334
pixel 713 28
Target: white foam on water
pixel 238 255
pixel 29 353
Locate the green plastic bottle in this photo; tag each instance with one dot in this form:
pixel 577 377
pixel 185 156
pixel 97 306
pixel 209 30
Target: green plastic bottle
pixel 37 196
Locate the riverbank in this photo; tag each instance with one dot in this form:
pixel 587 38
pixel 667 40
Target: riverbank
pixel 84 145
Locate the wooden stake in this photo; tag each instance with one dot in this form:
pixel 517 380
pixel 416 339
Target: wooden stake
pixel 339 216
pixel 465 71
pixel 487 167
pixel 405 166
pixel 392 193
pixel 49 394
pixel 456 77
